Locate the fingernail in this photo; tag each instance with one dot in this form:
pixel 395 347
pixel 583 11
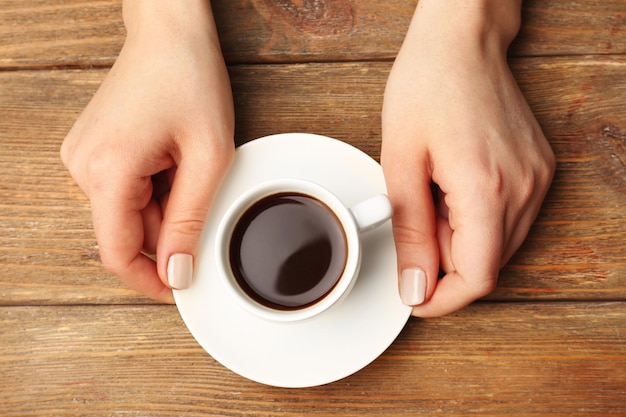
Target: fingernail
pixel 180 271
pixel 413 286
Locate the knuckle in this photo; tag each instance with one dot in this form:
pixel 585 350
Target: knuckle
pixel 99 162
pixel 407 235
pixel 64 152
pixel 190 224
pixel 111 264
pixel 526 184
pixel 486 286
pixel 550 161
pixel 483 286
pixel 99 167
pixel 487 181
pixel 548 169
pixel 217 152
pixel 69 157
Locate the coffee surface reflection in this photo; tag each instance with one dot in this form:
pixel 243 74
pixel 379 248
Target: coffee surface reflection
pixel 287 251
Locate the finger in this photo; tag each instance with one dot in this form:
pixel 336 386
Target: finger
pixel 117 207
pixel 444 234
pixel 408 185
pixel 197 179
pixel 517 231
pixel 140 275
pixel 151 216
pixel 527 215
pixel 453 292
pixel 444 239
pixel 475 254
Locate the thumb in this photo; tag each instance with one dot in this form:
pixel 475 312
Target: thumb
pixel 414 228
pixel 195 183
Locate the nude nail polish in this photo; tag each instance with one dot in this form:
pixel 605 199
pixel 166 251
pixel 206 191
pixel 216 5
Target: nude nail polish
pixel 180 271
pixel 413 286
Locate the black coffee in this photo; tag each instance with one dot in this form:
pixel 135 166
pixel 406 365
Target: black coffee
pixel 287 251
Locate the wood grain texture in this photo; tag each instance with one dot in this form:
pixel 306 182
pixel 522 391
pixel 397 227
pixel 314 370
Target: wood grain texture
pixel 78 33
pixel 575 250
pixel 588 136
pixel 74 341
pixel 44 217
pixel 60 33
pixel 489 359
pixel 578 27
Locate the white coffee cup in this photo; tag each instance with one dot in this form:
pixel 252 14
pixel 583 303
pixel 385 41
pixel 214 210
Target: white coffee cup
pixel 289 249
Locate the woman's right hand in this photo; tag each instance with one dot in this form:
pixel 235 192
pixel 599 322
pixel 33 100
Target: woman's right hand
pixel 453 115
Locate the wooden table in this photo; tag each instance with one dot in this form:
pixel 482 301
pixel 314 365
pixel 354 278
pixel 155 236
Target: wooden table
pixel 551 340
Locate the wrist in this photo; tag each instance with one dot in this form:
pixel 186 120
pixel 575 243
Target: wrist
pixel 163 20
pixel 490 25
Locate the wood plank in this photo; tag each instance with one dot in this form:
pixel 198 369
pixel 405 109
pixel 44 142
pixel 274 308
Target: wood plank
pixel 47 240
pixel 579 27
pixel 579 111
pixel 59 33
pixel 575 250
pixel 70 33
pixel 548 359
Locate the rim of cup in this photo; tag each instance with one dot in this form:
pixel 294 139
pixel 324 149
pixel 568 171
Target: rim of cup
pixel 344 283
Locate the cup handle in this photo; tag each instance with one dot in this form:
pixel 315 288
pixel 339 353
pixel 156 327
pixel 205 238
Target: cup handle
pixel 371 213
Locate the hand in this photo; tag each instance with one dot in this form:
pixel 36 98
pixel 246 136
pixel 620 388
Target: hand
pixel 454 116
pixel 152 146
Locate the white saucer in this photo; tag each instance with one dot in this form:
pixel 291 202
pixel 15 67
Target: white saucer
pixel 325 348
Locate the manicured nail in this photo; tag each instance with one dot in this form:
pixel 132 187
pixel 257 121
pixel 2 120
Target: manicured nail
pixel 413 286
pixel 180 271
